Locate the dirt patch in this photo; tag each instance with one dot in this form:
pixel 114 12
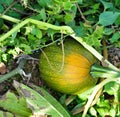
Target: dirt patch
pixel 114 56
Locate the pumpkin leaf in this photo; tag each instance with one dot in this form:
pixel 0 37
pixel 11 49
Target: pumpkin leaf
pixel 115 37
pixel 35 31
pixel 44 3
pixel 51 100
pixel 108 31
pixel 105 108
pixel 26 47
pixel 108 18
pixel 111 87
pixel 19 106
pixel 94 38
pixel 93 112
pixel 67 5
pixel 106 4
pixel 41 103
pixel 43 14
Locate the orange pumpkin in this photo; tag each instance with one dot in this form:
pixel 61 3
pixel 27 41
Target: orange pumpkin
pixel 74 77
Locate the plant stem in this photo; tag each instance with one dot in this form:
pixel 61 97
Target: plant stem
pixel 14 20
pixel 16 71
pixel 104 72
pixel 10 74
pixel 82 16
pixel 40 24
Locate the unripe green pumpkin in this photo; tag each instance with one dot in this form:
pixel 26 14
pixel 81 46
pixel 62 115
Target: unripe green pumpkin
pixel 74 77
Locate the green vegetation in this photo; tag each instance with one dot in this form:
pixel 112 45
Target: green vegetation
pixel 29 25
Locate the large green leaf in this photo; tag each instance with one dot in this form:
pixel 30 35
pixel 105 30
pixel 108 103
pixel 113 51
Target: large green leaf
pixel 108 18
pixel 15 105
pixel 41 103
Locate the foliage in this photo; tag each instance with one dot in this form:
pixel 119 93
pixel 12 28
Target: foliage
pixel 92 20
pixel 83 16
pixel 30 102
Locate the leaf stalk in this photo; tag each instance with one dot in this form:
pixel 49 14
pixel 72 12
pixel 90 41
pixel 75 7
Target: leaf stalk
pixel 104 72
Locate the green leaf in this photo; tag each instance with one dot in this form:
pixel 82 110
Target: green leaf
pixel 103 112
pixel 108 31
pixel 13 104
pixel 108 18
pixel 117 44
pixel 25 47
pixel 51 100
pixel 51 32
pixel 44 3
pixel 115 37
pixel 111 112
pixel 15 14
pixel 14 35
pixel 85 95
pixel 117 3
pixel 80 1
pixel 68 17
pixel 1 9
pixel 94 38
pixel 13 52
pixel 102 103
pixel 43 15
pixel 8 2
pixel 117 22
pixel 67 5
pixel 41 103
pixel 111 88
pixel 4 57
pixel 31 38
pixel 107 4
pixel 93 112
pixel 37 32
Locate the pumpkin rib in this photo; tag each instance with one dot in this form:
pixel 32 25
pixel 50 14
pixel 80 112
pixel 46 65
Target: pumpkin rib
pixel 73 66
pixel 77 60
pixel 79 71
pixel 79 49
pixel 67 59
pixel 77 66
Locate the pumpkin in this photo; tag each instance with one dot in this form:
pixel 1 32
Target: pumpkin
pixel 71 76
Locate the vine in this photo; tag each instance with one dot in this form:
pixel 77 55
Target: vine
pixel 63 30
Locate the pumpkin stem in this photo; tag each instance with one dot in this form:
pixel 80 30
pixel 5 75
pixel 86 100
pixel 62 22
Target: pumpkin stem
pixel 104 72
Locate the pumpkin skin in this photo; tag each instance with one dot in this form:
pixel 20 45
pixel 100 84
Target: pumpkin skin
pixel 74 78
